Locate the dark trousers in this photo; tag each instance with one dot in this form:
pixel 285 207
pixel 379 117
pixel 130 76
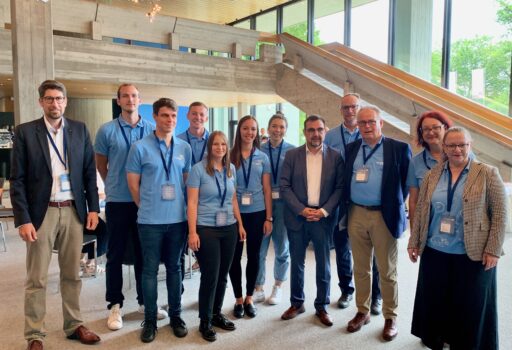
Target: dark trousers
pixel 253 224
pixel 217 248
pixel 344 265
pixel 122 227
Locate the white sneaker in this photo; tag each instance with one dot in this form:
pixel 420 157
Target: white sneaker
pixel 115 318
pixel 276 296
pixel 258 296
pixel 160 313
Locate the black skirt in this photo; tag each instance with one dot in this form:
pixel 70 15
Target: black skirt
pixel 455 303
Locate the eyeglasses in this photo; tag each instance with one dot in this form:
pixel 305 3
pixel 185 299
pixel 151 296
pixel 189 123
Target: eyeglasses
pixel 462 146
pixel 435 128
pixel 49 99
pixel 366 122
pixel 313 130
pixel 347 107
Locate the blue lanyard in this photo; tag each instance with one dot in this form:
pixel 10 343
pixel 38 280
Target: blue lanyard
pixel 276 169
pixel 124 135
pixel 451 189
pixel 343 138
pixel 65 160
pixel 222 196
pixel 202 151
pixel 425 160
pixel 365 158
pixel 168 166
pixel 247 175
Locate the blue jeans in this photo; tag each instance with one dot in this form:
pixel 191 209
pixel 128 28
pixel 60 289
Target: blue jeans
pixel 279 237
pixel 320 234
pixel 162 243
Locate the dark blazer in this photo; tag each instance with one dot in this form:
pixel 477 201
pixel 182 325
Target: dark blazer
pixel 394 191
pixel 294 190
pixel 31 173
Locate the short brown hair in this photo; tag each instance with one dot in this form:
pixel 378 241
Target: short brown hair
pixel 164 102
pixel 51 85
pixel 122 86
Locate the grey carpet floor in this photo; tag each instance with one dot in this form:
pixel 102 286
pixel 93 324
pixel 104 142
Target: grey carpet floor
pixel 266 331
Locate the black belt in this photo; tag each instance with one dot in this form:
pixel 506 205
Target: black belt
pixel 62 204
pixel 369 207
pixel 313 207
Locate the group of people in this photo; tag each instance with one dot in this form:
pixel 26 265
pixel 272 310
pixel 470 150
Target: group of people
pixel 346 187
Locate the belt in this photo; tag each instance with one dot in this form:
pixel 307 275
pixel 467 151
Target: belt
pixel 313 207
pixel 62 204
pixel 369 207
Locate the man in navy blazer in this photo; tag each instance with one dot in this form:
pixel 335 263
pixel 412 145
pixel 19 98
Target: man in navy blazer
pixel 53 194
pixel 311 185
pixel 375 193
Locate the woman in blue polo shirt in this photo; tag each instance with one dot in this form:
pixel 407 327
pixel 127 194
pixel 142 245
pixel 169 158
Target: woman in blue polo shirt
pixel 212 216
pixel 254 195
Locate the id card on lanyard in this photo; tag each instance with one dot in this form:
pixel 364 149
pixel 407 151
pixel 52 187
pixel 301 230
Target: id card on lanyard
pixel 246 197
pixel 192 149
pixel 125 137
pixel 447 225
pixel 275 192
pixel 221 217
pixel 168 190
pixel 64 181
pixel 363 174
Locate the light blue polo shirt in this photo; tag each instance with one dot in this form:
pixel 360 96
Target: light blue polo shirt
pixel 447 243
pixel 111 143
pixel 145 159
pixel 419 165
pixel 260 166
pixel 197 144
pixel 368 193
pixel 334 138
pixel 209 200
pixel 277 161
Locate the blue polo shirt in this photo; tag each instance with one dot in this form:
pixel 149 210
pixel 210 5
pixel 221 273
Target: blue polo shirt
pixel 419 165
pixel 276 160
pixel 145 159
pixel 197 144
pixel 209 200
pixel 260 166
pixel 447 243
pixel 334 138
pixel 368 193
pixel 111 143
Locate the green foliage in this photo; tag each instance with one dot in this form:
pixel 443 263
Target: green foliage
pixel 300 30
pixel 504 14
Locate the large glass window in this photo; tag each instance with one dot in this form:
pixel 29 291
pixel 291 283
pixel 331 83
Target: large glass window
pixel 480 53
pixel 267 22
pixel 244 24
pixel 221 119
pixel 329 21
pixel 295 20
pixel 295 119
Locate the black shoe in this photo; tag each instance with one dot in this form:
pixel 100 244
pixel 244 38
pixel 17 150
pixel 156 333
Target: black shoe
pixel 344 300
pixel 207 331
pixel 376 307
pixel 250 310
pixel 149 330
pixel 221 321
pixel 239 311
pixel 178 326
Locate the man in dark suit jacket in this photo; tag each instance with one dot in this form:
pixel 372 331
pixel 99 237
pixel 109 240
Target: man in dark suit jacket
pixel 311 185
pixel 375 193
pixel 53 193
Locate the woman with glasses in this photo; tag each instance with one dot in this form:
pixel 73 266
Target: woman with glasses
pixel 458 231
pixel 430 130
pixel 213 215
pixel 254 195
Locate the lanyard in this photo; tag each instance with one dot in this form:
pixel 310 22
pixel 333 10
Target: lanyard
pixel 202 151
pixel 65 160
pixel 168 166
pixel 425 160
pixel 222 196
pixel 124 135
pixel 276 169
pixel 365 158
pixel 343 138
pixel 451 189
pixel 247 175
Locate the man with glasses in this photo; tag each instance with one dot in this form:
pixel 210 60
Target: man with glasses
pixel 374 193
pixel 53 195
pixel 311 185
pixel 338 138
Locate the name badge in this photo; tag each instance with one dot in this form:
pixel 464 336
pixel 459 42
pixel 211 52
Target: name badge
pixel 362 175
pixel 275 194
pixel 246 198
pixel 168 192
pixel 447 225
pixel 65 184
pixel 221 218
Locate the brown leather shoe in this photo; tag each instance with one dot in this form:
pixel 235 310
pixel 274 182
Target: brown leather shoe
pixel 35 345
pixel 84 335
pixel 292 312
pixel 390 331
pixel 357 322
pixel 324 317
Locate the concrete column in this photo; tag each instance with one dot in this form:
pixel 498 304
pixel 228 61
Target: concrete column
pixel 242 109
pixel 271 53
pixel 32 51
pixel 91 111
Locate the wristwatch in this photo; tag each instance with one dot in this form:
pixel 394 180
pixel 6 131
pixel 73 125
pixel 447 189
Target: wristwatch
pixel 271 219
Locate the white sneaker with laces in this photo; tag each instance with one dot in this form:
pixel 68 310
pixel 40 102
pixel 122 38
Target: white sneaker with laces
pixel 115 318
pixel 161 314
pixel 258 296
pixel 276 296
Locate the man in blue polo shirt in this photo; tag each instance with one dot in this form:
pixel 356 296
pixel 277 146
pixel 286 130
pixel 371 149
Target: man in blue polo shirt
pixel 157 169
pixel 113 141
